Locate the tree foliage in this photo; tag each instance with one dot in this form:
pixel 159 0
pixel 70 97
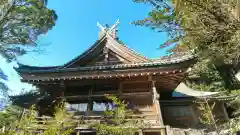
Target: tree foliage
pixel 21 22
pixel 25 122
pixel 9 115
pixel 209 27
pixel 3 86
pixel 233 125
pixel 117 123
pixel 61 123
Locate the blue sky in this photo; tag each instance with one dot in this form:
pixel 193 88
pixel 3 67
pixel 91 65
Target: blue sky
pixel 76 30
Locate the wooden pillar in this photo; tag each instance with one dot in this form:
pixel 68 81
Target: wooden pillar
pixel 62 89
pixel 237 10
pixel 140 132
pixel 90 102
pixel 194 115
pixel 90 105
pixel 60 93
pixel 224 111
pixel 120 88
pixel 155 97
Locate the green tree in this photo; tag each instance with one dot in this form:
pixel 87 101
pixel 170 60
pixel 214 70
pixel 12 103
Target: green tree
pixel 3 86
pixel 21 22
pixel 233 125
pixel 117 123
pixel 209 27
pixel 9 115
pixel 61 124
pixel 206 108
pixel 24 122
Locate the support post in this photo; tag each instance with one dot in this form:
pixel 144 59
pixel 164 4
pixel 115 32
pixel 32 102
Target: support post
pixel 194 115
pixel 90 102
pixel 140 132
pixel 225 111
pixel 62 90
pixel 60 95
pixel 120 88
pixel 90 105
pixel 155 97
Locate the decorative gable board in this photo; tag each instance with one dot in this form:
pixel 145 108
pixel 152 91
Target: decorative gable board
pixel 106 51
pixel 89 55
pixel 108 58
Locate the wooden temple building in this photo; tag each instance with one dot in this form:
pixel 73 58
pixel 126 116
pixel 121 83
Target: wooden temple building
pixel 109 67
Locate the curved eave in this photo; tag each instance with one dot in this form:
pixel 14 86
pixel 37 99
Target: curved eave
pixel 184 89
pixel 22 66
pixel 86 52
pixel 190 58
pixel 106 37
pixel 25 100
pixel 196 99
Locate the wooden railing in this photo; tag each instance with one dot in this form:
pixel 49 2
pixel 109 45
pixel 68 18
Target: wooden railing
pixel 81 124
pixel 83 120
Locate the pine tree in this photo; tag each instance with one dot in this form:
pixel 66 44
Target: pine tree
pixel 209 27
pixel 21 22
pixel 117 123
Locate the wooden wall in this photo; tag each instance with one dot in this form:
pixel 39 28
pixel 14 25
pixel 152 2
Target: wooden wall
pixel 187 115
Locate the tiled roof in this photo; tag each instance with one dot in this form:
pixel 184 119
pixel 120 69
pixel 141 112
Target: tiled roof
pixel 160 62
pixel 136 60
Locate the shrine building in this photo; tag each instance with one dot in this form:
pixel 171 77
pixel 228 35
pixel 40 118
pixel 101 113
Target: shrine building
pixel 110 67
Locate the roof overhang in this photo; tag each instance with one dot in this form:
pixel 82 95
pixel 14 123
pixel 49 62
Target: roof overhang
pixel 108 71
pixel 191 100
pixel 100 74
pixel 184 89
pixel 160 63
pixel 86 66
pixel 238 75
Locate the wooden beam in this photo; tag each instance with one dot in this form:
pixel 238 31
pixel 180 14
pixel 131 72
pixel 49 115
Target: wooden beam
pixel 89 105
pixel 120 88
pixel 140 132
pixel 156 103
pixel 224 111
pixel 62 89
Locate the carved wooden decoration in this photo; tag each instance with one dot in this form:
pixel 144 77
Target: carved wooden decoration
pixel 110 30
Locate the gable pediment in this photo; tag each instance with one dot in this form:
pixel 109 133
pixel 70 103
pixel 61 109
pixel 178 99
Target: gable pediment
pixel 106 51
pixel 107 58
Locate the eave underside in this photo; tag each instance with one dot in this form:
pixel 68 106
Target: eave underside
pixel 167 81
pixel 107 70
